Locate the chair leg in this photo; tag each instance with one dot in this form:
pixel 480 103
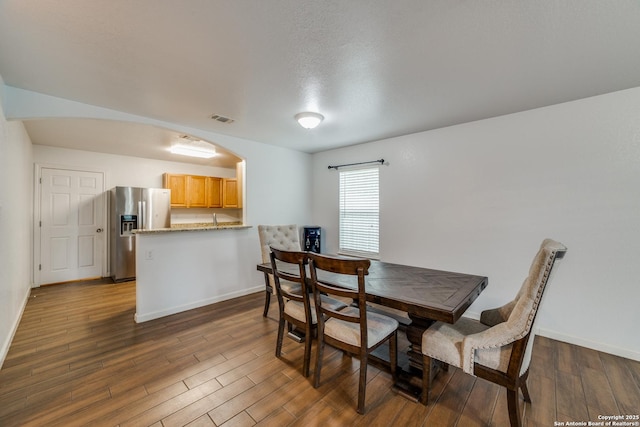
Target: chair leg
pixel 267 297
pixel 515 417
pixel 319 351
pixel 426 379
pixel 525 392
pixel 267 301
pixel 307 352
pixel 524 388
pixel 280 336
pixel 362 386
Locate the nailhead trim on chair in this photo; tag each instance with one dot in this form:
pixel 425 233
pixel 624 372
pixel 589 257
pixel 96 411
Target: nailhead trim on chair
pixel 532 313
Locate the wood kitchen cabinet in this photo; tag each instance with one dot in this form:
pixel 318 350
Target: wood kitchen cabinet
pixel 187 191
pixel 230 194
pixel 214 192
pixel 194 191
pixel 178 186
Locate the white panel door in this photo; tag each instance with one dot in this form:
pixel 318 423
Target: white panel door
pixel 72 225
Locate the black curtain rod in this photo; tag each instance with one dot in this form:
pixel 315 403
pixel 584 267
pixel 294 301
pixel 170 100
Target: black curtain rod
pixel 381 161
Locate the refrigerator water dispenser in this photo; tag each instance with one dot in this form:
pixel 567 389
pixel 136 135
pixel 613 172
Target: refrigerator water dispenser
pixel 128 223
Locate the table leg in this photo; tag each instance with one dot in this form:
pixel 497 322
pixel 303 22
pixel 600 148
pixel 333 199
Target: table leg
pixel 414 335
pixel 409 380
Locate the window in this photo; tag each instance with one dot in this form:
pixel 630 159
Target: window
pixel 359 207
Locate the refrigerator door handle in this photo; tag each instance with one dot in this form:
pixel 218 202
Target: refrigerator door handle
pixel 140 215
pixel 144 215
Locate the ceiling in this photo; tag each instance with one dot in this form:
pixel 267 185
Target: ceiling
pixel 375 69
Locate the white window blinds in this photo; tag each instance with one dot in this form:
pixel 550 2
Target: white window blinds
pixel 359 211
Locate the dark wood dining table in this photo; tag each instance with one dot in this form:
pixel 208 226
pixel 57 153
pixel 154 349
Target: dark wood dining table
pixel 425 295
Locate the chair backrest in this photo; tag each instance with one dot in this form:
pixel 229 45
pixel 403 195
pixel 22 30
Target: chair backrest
pixel 324 283
pixel 525 307
pixel 281 264
pixel 285 237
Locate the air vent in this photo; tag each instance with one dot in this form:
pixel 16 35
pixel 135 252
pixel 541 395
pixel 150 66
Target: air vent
pixel 222 119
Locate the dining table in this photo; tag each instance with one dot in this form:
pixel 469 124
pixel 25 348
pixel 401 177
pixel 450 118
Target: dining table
pixel 421 295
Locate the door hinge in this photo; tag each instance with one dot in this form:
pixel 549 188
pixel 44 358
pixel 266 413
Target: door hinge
pixel 40 267
pixel 40 223
pixel 40 180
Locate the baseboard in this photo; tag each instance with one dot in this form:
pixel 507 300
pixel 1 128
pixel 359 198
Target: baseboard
pixel 570 339
pixel 605 348
pixel 144 317
pixel 7 344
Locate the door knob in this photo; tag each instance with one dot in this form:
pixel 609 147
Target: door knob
pixel 99 230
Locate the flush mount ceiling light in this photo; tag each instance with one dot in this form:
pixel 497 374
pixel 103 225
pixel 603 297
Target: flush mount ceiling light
pixel 309 120
pixel 194 150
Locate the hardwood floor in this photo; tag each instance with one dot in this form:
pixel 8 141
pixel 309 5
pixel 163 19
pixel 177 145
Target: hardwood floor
pixel 78 358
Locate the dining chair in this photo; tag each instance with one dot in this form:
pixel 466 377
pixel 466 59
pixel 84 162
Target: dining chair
pixel 286 237
pixel 296 308
pixel 353 329
pixel 498 347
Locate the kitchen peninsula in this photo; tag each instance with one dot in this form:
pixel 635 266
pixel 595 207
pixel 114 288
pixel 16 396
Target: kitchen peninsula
pixel 186 267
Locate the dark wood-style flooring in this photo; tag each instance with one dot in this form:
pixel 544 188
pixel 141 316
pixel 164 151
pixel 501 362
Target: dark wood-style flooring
pixel 78 358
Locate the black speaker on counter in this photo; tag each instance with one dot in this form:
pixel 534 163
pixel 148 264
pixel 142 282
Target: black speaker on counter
pixel 311 238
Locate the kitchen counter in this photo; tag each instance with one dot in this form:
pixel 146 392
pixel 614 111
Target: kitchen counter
pixel 204 226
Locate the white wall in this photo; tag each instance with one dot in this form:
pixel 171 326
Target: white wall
pixel 16 172
pixel 480 197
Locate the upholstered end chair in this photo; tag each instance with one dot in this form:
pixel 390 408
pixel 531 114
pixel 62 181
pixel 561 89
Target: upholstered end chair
pixel 498 347
pixel 283 237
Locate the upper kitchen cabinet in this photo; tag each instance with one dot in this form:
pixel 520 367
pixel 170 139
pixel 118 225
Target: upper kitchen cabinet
pixel 178 186
pixel 187 191
pixel 232 189
pixel 194 191
pixel 230 193
pixel 214 192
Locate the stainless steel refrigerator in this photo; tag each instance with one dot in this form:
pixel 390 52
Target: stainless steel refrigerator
pixel 134 208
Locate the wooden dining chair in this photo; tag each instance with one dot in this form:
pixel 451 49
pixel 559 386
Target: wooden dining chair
pixel 296 307
pixel 498 347
pixel 286 237
pixel 353 329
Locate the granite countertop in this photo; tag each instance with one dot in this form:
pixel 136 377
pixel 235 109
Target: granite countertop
pixel 205 224
pixel 198 226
